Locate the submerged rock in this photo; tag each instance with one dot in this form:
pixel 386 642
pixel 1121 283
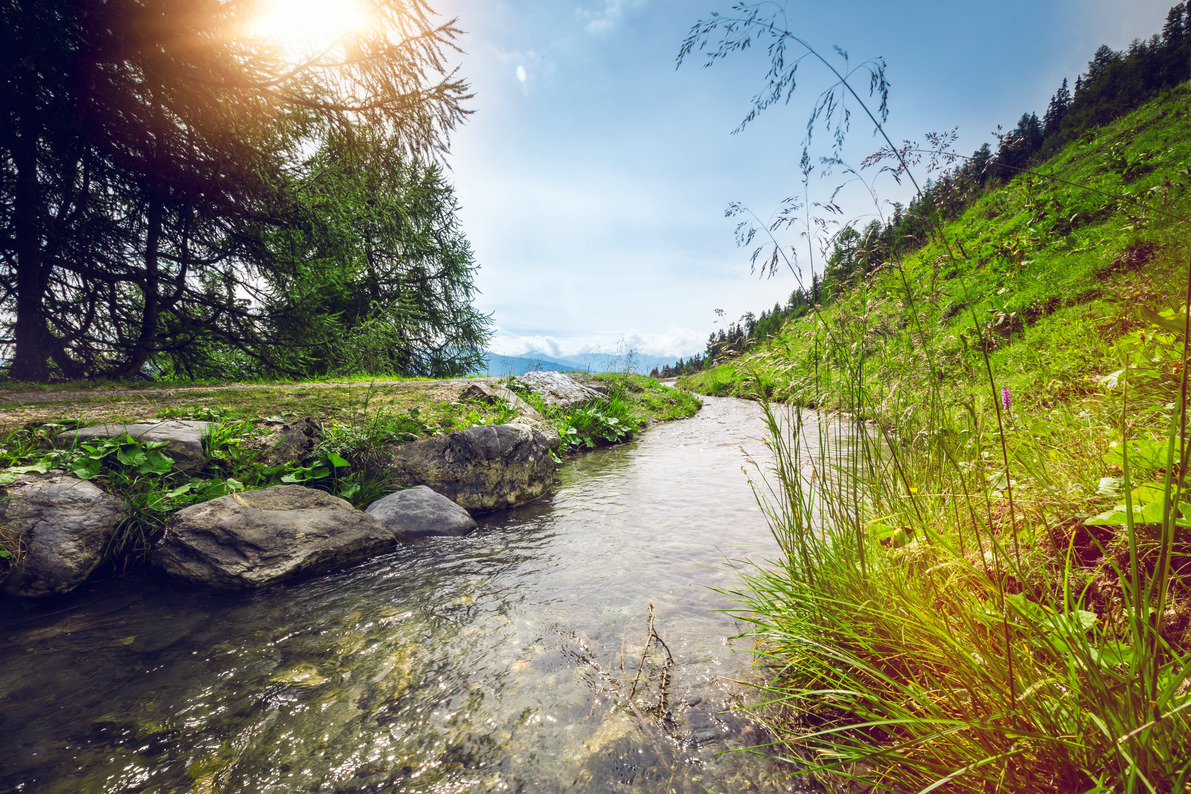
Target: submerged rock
pixel 261 537
pixel 183 439
pixel 64 524
pixel 420 512
pixel 482 468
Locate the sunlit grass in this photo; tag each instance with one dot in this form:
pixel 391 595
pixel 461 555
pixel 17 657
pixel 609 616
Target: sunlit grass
pixel 985 580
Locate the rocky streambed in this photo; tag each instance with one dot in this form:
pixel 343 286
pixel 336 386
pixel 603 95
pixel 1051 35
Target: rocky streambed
pixel 581 642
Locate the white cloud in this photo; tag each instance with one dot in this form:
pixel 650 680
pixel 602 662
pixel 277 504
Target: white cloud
pixel 674 342
pixel 598 22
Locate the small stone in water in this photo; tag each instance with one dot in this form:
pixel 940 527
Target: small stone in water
pixel 303 675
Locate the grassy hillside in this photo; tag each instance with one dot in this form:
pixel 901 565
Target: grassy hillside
pixel 1052 267
pixel 992 590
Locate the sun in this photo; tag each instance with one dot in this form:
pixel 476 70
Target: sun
pixel 305 28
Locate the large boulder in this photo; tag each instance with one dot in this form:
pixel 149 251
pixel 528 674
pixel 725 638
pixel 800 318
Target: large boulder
pixel 542 430
pixel 63 524
pixel 257 538
pixel 183 439
pixel 482 468
pixel 420 512
pixel 558 390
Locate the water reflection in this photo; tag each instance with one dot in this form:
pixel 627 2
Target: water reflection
pixel 496 662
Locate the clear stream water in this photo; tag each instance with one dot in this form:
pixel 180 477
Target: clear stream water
pixel 496 662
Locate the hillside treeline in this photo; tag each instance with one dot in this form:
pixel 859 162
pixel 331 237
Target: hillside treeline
pixel 1114 84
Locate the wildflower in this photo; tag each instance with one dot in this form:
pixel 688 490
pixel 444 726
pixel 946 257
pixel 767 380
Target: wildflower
pixel 1006 398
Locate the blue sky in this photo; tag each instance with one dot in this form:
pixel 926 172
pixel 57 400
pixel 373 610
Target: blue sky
pixel 593 175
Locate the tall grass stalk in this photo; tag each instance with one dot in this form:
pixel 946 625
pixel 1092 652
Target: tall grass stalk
pixel 924 627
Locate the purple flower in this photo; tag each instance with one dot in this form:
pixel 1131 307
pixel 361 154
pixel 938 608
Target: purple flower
pixel 1006 398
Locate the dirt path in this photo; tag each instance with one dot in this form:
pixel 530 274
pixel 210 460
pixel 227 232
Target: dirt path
pixel 89 406
pixel 36 397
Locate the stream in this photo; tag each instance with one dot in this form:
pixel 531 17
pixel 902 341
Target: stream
pixel 498 662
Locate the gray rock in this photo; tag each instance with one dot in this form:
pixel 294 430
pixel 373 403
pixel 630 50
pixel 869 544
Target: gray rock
pixel 292 441
pixel 64 525
pixel 543 431
pixel 183 439
pixel 482 468
pixel 558 390
pixel 491 392
pixel 257 538
pixel 420 512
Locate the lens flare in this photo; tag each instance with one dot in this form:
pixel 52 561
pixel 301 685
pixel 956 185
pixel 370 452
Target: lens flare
pixel 305 28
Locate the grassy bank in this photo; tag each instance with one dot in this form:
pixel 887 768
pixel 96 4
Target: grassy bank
pixel 353 424
pixel 986 579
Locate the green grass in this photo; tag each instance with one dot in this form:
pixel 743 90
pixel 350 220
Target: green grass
pixel 629 403
pixel 985 582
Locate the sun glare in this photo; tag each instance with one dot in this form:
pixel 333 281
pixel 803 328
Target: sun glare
pixel 308 27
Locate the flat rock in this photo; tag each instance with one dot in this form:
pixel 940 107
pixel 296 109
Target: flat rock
pixel 491 392
pixel 64 525
pixel 257 538
pixel 421 512
pixel 558 390
pixel 183 439
pixel 482 468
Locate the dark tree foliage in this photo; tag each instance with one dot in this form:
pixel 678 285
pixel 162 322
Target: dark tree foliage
pixel 381 279
pixel 1060 103
pixel 152 154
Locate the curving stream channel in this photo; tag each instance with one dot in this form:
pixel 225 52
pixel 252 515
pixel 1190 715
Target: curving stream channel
pixel 497 662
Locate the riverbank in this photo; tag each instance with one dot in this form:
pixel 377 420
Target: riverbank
pixel 342 438
pixel 986 573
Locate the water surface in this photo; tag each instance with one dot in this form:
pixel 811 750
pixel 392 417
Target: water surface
pixel 502 661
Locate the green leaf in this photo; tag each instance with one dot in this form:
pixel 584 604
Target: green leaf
pixel 155 462
pixel 86 468
pixel 174 493
pixel 336 461
pixel 881 532
pixel 1142 514
pixel 40 467
pixel 1145 494
pixel 1110 486
pixel 1168 323
pixel 130 455
pixel 1114 653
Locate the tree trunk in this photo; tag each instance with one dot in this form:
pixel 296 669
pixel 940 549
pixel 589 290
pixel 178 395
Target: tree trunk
pixel 146 342
pixel 32 337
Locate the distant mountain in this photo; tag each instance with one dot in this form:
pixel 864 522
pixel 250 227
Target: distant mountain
pixel 499 365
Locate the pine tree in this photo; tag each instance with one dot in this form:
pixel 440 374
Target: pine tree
pixel 1056 110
